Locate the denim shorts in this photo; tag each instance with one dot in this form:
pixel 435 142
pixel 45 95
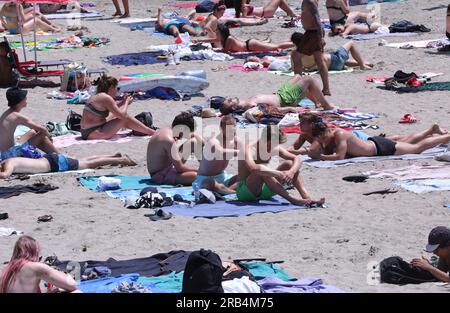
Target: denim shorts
pixel 338 59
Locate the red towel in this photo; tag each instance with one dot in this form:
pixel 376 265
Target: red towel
pixel 185 5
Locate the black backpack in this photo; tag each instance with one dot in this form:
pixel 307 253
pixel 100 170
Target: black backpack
pixel 73 121
pixel 394 270
pixel 145 118
pixel 203 273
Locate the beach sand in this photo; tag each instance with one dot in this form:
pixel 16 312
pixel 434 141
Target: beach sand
pixel 335 243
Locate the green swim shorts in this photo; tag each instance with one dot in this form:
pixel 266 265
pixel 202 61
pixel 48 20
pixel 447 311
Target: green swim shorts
pixel 244 194
pixel 290 94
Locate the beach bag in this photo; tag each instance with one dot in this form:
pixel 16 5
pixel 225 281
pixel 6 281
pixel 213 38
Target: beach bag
pixel 205 6
pixel 395 270
pixel 57 129
pixel 203 273
pixel 74 78
pixel 145 118
pixel 73 121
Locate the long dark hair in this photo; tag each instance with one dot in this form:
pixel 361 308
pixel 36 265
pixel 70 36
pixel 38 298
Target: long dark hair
pixel 105 82
pixel 224 33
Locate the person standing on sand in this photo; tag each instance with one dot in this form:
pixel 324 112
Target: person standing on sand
pixel 313 40
pixel 126 7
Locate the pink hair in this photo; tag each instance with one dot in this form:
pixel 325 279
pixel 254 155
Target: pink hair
pixel 26 250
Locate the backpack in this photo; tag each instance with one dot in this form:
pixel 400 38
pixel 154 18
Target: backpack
pixel 73 121
pixel 145 118
pixel 205 6
pixel 394 270
pixel 203 273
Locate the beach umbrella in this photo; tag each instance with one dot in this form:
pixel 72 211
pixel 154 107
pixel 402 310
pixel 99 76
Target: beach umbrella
pixel 34 2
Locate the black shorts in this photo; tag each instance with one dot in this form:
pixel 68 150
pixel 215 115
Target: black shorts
pixel 61 163
pixel 384 146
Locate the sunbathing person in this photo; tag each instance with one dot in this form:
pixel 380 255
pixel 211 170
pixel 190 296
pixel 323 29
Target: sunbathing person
pixel 24 273
pixel 166 162
pixel 438 244
pixel 245 9
pixel 288 95
pixel 309 120
pixel 217 154
pixel 446 48
pixel 338 144
pixel 259 182
pixel 103 117
pixel 38 136
pixel 336 61
pixel 16 21
pixel 54 163
pixel 176 25
pixel 229 43
pixel 339 13
pixel 51 8
pixel 355 28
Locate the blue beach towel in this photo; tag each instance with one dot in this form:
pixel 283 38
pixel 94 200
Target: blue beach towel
pixel 127 182
pixel 132 59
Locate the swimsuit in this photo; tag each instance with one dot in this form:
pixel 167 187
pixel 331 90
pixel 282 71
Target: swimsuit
pixel 165 176
pixel 338 59
pixel 61 163
pixel 247 44
pixel 179 22
pixel 385 147
pixel 14 152
pixel 244 194
pixel 361 135
pixel 102 114
pixel 290 94
pixel 222 178
pixel 340 21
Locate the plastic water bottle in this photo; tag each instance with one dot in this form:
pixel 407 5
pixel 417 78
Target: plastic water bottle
pixel 196 188
pixel 108 183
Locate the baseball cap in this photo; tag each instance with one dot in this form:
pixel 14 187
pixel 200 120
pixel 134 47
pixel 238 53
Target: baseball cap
pixel 439 236
pixel 15 95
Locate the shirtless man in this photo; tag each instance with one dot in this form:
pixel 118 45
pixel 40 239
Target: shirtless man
pixel 287 97
pixel 175 26
pixel 338 144
pixel 259 182
pixel 164 163
pixel 216 156
pixel 38 136
pixel 54 163
pixel 313 40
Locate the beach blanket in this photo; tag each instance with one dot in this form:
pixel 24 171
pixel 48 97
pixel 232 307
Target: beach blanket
pixel 377 36
pixel 133 59
pixel 331 164
pixel 139 25
pixel 70 140
pixel 234 208
pixel 136 183
pixel 291 73
pixel 308 285
pixel 67 43
pixel 152 31
pixel 259 54
pixel 419 44
pixel 187 5
pixel 73 15
pixel 437 86
pixel 413 172
pixel 425 185
pixel 246 69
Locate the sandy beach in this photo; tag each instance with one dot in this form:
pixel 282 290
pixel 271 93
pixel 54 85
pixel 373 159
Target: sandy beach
pixel 335 243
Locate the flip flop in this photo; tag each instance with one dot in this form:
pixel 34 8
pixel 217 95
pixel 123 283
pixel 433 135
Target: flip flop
pixel 3 216
pixel 356 178
pixel 408 119
pixel 45 218
pixel 161 215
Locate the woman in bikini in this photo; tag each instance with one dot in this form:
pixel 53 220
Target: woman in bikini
pixel 17 20
pixel 354 29
pixel 229 43
pixel 244 9
pixel 103 117
pixel 339 13
pixel 24 272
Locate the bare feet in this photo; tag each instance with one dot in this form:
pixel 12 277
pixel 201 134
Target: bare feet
pixel 326 92
pixel 118 13
pixel 309 202
pixel 128 161
pixel 438 130
pixel 367 66
pixel 117 155
pixel 125 15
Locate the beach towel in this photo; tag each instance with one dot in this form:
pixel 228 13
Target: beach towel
pixel 233 208
pixel 105 285
pixel 437 86
pixel 170 283
pixel 246 69
pixel 261 270
pixel 60 173
pixel 73 15
pixel 362 2
pixel 70 140
pixel 413 172
pixel 4 232
pixel 136 183
pixel 139 25
pixel 377 36
pixel 331 164
pixel 17 190
pixel 187 5
pixel 259 54
pixel 291 73
pixel 66 43
pixel 417 44
pixel 426 185
pixel 152 31
pixel 308 285
pixel 132 59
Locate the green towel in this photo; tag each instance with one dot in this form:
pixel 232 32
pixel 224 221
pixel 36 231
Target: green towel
pixel 261 270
